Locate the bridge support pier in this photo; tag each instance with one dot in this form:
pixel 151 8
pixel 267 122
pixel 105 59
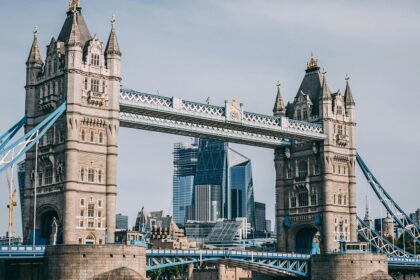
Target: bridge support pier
pixel 349 267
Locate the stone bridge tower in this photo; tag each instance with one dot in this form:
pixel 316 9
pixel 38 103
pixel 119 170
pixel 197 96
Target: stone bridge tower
pixel 76 180
pixel 315 181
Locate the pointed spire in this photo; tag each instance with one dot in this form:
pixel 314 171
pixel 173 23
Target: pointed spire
pixel 35 54
pixel 326 93
pixel 348 96
pixel 112 47
pixel 279 109
pixel 74 36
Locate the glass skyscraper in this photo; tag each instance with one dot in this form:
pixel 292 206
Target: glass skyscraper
pixel 185 164
pixel 211 181
pixel 211 194
pixel 242 188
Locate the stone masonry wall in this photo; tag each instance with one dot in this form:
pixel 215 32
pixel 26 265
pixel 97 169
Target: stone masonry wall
pixel 348 266
pixel 85 262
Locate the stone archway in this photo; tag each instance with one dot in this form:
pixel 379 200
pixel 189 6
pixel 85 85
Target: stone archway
pixel 90 239
pixel 46 220
pixel 307 240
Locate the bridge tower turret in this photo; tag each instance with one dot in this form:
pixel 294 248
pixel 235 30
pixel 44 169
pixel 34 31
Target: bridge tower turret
pixel 76 180
pixel 315 182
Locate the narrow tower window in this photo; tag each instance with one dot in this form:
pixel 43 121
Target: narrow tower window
pixel 100 176
pixel 94 85
pixel 91 175
pixel 303 169
pixel 91 210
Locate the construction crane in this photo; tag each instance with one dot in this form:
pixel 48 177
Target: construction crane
pixel 12 204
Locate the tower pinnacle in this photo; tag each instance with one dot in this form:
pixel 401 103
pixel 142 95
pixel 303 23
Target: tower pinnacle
pixel 348 96
pixel 112 46
pixel 35 54
pixel 312 64
pixel 279 109
pixel 73 5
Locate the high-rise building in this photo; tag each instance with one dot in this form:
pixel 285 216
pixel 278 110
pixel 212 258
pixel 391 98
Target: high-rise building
pixel 121 221
pixel 268 225
pixel 260 224
pixel 211 181
pixel 211 189
pixel 207 202
pixel 241 185
pixel 185 165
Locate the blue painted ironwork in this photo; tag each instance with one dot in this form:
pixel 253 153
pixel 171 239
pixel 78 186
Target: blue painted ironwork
pixel 402 219
pixel 10 154
pixel 22 252
pixel 281 263
pixel 227 123
pixel 395 262
pixel 8 135
pixel 378 242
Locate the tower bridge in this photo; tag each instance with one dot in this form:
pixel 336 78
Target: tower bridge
pixel 75 106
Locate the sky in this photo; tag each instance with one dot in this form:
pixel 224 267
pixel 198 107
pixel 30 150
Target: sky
pixel 241 48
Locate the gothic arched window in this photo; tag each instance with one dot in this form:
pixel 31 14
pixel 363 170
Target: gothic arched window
pixel 82 174
pixel 92 136
pixel 82 136
pixel 86 83
pixel 101 137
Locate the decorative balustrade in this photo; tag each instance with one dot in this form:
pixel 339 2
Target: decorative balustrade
pixel 131 97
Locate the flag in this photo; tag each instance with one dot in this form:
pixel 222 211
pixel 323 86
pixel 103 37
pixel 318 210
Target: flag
pixel 208 100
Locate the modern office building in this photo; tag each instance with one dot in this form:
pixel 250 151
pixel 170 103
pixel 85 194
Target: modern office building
pixel 211 181
pixel 211 194
pixel 185 165
pixel 198 231
pixel 241 185
pixel 121 221
pixel 268 225
pixel 228 233
pixel 260 223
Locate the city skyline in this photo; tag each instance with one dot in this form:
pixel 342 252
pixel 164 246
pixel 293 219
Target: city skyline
pixel 367 87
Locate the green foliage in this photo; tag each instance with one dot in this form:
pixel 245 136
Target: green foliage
pixel 173 272
pixel 409 244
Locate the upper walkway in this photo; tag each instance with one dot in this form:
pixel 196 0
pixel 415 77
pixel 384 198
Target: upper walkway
pixel 228 123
